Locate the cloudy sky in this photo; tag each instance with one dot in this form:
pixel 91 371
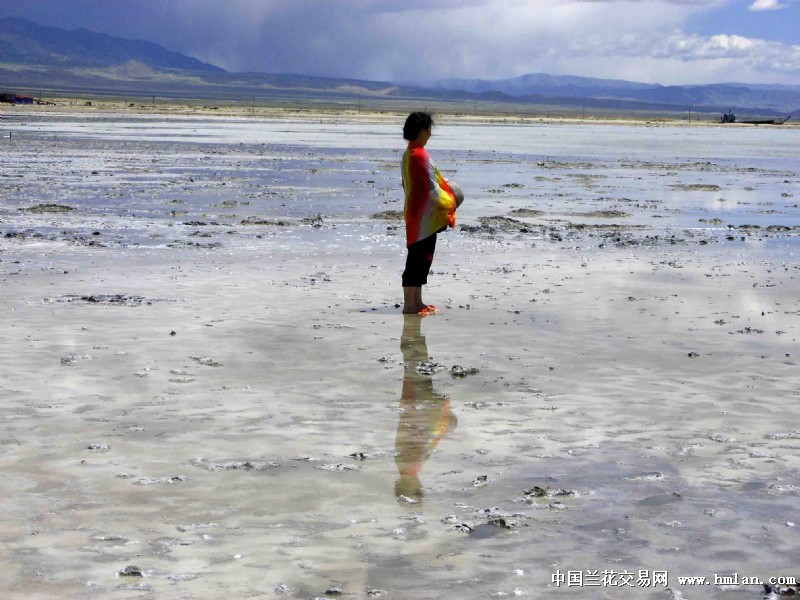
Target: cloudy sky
pixel 668 42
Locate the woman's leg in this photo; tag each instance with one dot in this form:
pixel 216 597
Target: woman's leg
pixel 418 266
pixel 410 300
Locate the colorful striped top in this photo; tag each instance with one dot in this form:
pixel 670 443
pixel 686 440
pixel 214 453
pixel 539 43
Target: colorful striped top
pixel 430 204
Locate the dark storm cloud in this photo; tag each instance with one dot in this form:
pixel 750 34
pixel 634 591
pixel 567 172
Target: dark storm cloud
pixel 418 40
pixel 305 36
pixel 334 37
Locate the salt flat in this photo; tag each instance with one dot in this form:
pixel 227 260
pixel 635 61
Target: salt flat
pixel 207 380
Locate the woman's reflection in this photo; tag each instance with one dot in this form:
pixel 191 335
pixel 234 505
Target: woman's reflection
pixel 425 417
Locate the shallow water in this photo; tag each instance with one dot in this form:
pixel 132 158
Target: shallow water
pixel 254 417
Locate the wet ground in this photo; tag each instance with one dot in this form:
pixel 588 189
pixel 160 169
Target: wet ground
pixel 208 389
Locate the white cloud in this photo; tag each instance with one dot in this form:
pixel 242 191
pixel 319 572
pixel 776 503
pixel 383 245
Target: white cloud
pixel 754 54
pixel 759 5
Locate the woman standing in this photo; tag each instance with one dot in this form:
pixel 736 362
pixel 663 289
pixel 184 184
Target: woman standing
pixel 430 207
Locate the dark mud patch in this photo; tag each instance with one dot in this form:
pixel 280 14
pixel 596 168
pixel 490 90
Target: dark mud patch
pixel 603 214
pixel 361 455
pixel 565 165
pixel 205 361
pixel 184 244
pixel 131 571
pixel 527 213
pixel 622 240
pixel 486 522
pixel 28 234
pixel 429 368
pixel 389 215
pixel 784 228
pixel 315 222
pixel 234 465
pixel 768 228
pixel 459 372
pixel 789 435
pixel 696 187
pixel 257 221
pixel 602 227
pixel 487 530
pixel 546 492
pixel 147 481
pixel 503 225
pixel 31 234
pixel 229 204
pixel 110 299
pixel 47 208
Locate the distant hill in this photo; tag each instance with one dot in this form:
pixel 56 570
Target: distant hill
pixel 781 98
pixel 25 42
pixel 540 83
pixel 79 62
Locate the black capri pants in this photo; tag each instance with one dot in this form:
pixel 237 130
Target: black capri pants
pixel 418 262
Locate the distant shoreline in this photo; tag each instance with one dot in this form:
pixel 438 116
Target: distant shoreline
pixel 367 113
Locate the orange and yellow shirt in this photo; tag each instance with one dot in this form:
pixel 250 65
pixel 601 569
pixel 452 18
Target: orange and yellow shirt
pixel 430 205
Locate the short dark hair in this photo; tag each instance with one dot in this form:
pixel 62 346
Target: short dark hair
pixel 416 123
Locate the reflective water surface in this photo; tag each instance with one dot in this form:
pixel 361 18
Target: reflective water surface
pixel 208 389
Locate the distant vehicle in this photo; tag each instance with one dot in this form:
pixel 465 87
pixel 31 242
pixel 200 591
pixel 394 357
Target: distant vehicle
pixel 15 98
pixel 729 117
pixel 769 121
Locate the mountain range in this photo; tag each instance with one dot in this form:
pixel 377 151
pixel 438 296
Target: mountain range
pixel 34 57
pixel 25 42
pixel 775 97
